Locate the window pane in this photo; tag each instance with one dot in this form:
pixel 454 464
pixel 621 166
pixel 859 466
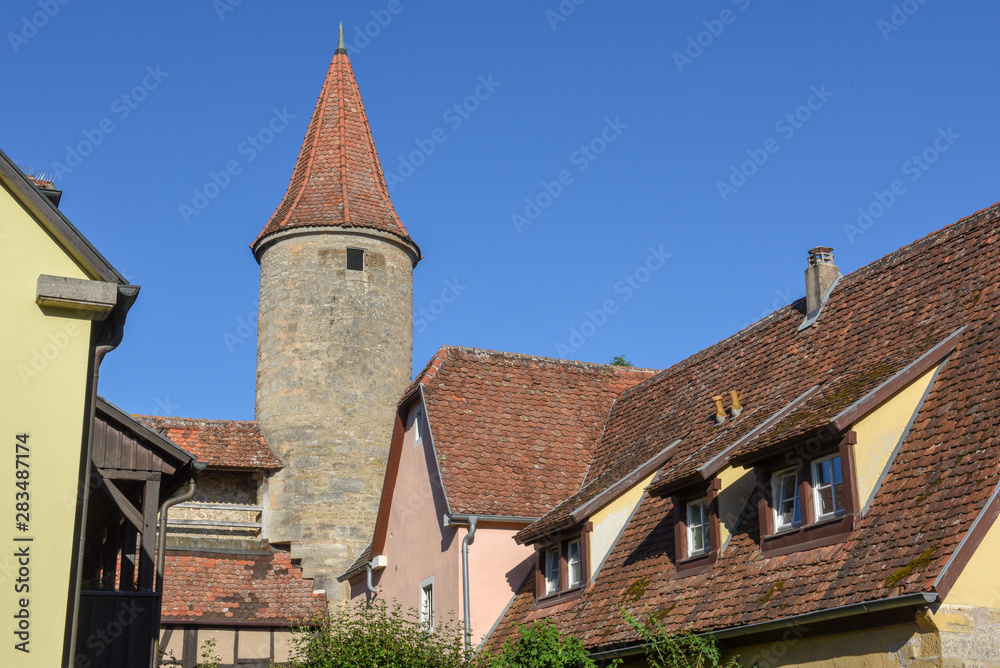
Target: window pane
pixel 697 527
pixel 551 571
pixel 786 501
pixel 838 497
pixel 573 563
pixel 825 495
pixel 427 607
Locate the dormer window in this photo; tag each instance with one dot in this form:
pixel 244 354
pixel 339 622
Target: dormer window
pixel 828 487
pixel 810 504
pixel 785 492
pixel 551 571
pixel 563 570
pixel 698 539
pixel 574 564
pixel 697 534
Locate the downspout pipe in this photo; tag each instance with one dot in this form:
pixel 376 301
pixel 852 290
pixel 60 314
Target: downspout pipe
pixel 106 336
pixel 185 494
pixel 371 585
pixel 469 537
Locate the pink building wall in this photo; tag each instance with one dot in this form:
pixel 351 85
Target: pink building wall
pixel 419 547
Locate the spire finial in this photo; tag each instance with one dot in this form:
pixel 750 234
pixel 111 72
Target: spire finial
pixel 341 46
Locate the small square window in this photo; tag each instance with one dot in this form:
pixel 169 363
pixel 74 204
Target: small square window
pixel 574 564
pixel 828 487
pixel 355 259
pixel 785 495
pixel 697 527
pixel 552 570
pixel 427 607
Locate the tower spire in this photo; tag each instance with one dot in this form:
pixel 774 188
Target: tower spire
pixel 341 46
pixel 338 179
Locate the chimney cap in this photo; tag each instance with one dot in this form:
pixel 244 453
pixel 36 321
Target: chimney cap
pixel 820 255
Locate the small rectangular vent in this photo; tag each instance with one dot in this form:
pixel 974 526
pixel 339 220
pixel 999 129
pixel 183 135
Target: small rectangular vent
pixel 355 259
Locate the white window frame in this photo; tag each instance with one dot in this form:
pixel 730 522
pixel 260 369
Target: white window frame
pixel 702 504
pixel 552 564
pixel 418 426
pixel 427 605
pixel 776 500
pixel 817 504
pixel 570 584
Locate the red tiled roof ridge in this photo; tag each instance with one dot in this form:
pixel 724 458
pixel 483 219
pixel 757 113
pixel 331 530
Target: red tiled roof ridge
pixel 430 369
pixel 338 179
pixel 187 420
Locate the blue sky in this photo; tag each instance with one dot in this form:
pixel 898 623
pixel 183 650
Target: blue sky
pixel 731 136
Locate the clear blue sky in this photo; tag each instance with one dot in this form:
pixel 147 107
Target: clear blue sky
pixel 885 84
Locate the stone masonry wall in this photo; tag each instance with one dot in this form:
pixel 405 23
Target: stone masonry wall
pixel 334 355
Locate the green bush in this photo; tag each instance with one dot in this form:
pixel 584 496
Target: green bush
pixel 375 635
pixel 677 650
pixel 541 645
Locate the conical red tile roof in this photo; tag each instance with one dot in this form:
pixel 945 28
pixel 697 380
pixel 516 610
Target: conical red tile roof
pixel 338 180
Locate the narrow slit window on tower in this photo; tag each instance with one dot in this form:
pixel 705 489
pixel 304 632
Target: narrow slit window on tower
pixel 355 259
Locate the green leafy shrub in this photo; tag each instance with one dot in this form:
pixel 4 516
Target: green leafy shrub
pixel 375 635
pixel 541 645
pixel 686 649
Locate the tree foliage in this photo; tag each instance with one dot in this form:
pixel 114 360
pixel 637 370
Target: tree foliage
pixel 375 635
pixel 686 649
pixel 542 645
pixel 619 360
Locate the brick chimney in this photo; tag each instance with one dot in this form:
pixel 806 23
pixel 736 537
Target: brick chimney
pixel 821 276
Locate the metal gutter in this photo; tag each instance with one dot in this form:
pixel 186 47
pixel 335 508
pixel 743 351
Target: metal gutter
pixel 463 519
pixel 803 620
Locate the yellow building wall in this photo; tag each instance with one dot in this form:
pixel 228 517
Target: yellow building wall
pixel 885 647
pixel 43 362
pixel 880 431
pixel 979 583
pixel 738 484
pixel 609 520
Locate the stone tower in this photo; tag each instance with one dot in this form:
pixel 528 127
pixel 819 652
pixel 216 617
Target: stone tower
pixel 335 335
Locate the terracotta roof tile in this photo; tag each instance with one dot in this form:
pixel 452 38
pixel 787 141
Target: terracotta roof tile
pixel 878 320
pixel 338 179
pixel 234 588
pixel 514 433
pixel 223 443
